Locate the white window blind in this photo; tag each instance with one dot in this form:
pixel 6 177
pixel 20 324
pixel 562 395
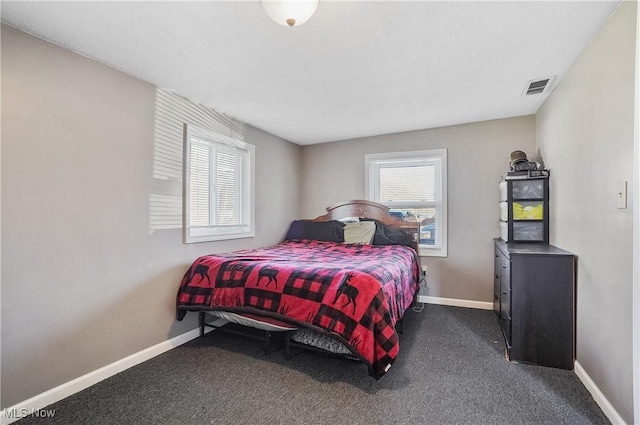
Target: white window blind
pixel 407 181
pixel 216 184
pixel 217 198
pixel 218 188
pixel 413 186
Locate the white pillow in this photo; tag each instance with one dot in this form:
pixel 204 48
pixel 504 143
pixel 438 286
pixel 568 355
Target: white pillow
pixel 360 232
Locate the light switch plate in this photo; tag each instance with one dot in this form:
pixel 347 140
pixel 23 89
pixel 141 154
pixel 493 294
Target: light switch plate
pixel 621 195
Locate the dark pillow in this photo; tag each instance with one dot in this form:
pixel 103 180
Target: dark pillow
pixel 387 235
pixel 330 231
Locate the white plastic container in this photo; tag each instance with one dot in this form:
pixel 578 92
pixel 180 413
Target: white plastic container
pixel 504 211
pixel 503 190
pixel 504 231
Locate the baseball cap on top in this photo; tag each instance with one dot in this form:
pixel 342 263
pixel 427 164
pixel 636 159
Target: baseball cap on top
pixel 518 156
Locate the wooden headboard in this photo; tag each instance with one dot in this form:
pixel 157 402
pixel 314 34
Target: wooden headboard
pixel 369 209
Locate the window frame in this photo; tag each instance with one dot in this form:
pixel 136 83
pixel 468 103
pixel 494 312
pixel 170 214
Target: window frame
pixel 439 156
pixel 246 196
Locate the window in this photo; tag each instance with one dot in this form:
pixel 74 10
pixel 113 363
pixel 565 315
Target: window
pixel 218 186
pixel 414 186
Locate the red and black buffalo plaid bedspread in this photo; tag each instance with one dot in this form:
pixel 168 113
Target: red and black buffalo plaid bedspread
pixel 354 292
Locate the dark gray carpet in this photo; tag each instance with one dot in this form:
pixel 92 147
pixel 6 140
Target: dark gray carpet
pixel 451 370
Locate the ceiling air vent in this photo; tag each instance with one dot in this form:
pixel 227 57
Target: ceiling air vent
pixel 536 86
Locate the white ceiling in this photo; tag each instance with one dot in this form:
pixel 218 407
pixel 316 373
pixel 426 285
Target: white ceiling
pixel 355 69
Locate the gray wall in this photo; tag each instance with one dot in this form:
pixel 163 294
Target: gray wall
pixel 585 135
pixel 84 281
pixel 478 154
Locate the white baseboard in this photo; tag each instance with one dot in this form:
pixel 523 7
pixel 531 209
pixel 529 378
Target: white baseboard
pixel 37 403
pixel 481 305
pixel 602 401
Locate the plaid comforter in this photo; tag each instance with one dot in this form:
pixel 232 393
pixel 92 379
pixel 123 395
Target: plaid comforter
pixel 356 293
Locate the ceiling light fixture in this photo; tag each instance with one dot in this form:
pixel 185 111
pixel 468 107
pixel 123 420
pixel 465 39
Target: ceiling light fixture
pixel 290 12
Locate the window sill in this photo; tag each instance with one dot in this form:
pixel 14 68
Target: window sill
pixel 430 252
pixel 217 238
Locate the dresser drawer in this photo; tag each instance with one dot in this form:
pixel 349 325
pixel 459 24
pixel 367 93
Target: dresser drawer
pixel 505 286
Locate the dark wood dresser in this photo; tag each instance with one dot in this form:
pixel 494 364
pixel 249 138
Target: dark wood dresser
pixel 534 299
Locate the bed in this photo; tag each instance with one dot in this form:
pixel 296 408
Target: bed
pixel 315 286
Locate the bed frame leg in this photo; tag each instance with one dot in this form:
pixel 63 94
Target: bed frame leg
pixel 287 345
pixel 201 321
pixel 267 342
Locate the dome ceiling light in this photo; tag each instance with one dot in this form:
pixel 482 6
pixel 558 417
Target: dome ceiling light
pixel 290 12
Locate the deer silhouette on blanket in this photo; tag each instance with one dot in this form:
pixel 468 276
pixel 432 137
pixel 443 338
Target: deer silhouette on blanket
pixel 349 291
pixel 270 274
pixel 203 271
